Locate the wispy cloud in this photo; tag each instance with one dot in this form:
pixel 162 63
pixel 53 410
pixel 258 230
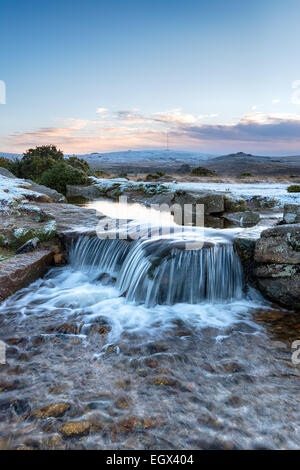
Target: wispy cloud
pixel 126 129
pixel 101 110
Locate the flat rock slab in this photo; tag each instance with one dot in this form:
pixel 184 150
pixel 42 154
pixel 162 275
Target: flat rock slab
pixel 72 220
pixel 20 270
pixel 51 193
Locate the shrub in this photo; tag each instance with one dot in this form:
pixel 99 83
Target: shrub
pixel 47 165
pixel 4 162
pixel 101 174
pixel 294 188
pixel 78 163
pixel 62 174
pixel 10 165
pixel 160 173
pixel 201 171
pixel 36 161
pixel 152 177
pixel 245 174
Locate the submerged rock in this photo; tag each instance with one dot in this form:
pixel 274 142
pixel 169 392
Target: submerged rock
pixel 75 428
pixel 55 410
pixel 66 329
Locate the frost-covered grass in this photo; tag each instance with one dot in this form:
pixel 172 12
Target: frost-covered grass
pixel 21 219
pixel 13 191
pixel 122 185
pixel 276 192
pixel 270 191
pixel 44 233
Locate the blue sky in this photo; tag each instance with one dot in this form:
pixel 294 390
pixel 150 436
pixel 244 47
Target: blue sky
pixel 100 75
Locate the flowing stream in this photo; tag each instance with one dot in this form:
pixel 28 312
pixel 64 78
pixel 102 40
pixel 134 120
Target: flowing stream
pixel 153 344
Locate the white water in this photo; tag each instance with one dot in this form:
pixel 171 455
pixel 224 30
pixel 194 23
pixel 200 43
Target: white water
pixel 72 293
pixel 143 286
pixel 161 271
pixel 147 284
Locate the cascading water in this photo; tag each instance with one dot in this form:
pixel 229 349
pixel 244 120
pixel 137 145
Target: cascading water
pixel 161 271
pixel 99 256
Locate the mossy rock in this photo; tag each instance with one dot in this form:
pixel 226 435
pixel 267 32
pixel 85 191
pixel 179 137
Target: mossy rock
pixel 22 235
pixel 235 205
pixel 261 202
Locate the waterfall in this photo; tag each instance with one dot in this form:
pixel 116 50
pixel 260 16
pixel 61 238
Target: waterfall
pixel 98 256
pixel 161 271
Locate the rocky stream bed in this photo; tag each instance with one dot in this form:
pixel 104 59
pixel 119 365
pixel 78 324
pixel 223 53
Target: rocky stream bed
pixel 88 368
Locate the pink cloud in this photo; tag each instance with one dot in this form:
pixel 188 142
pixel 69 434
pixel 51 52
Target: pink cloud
pixel 278 133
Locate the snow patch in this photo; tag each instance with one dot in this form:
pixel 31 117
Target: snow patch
pixel 13 192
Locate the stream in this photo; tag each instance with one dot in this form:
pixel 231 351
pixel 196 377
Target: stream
pixel 151 346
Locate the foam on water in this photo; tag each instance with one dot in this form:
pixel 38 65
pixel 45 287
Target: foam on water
pixel 66 292
pixel 110 279
pixel 162 270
